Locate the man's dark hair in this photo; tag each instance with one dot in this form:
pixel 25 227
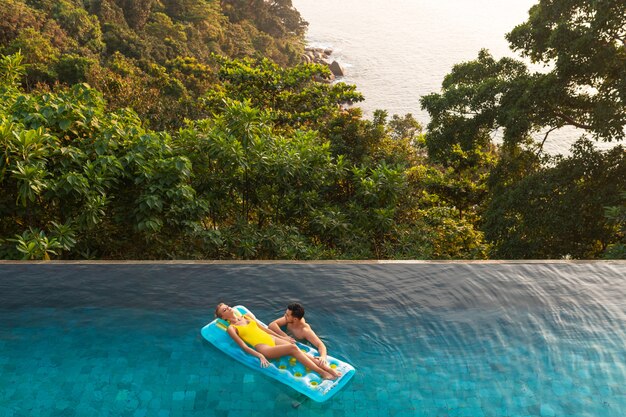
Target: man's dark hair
pixel 296 309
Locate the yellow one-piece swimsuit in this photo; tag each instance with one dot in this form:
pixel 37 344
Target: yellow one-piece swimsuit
pixel 252 335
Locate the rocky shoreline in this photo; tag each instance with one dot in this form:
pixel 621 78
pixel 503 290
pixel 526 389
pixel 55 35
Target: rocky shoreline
pixel 322 56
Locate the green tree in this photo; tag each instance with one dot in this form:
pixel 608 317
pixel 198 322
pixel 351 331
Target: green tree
pixel 261 188
pixel 585 42
pixel 12 70
pixel 616 217
pixel 40 56
pixel 83 27
pixel 291 95
pixel 478 99
pixel 558 211
pixel 137 12
pixel 79 180
pixel 68 42
pixel 533 205
pixel 275 17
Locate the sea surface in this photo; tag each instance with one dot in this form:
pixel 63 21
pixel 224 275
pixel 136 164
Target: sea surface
pixel 396 51
pixel 427 339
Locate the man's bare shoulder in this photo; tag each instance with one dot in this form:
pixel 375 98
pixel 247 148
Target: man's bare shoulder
pixel 308 332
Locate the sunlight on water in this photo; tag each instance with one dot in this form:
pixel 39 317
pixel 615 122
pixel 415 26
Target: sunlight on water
pixel 399 50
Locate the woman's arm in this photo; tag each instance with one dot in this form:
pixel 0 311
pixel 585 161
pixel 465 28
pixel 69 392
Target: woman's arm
pixel 233 333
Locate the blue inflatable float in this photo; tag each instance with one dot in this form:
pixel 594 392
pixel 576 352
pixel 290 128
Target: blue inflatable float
pixel 286 369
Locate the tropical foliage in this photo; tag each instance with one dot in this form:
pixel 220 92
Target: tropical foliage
pixel 80 180
pixel 532 205
pixel 154 56
pixel 83 181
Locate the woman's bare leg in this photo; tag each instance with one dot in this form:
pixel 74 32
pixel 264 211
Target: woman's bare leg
pixel 274 352
pixel 315 360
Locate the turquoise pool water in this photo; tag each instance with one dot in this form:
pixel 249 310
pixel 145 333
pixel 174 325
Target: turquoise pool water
pixel 427 339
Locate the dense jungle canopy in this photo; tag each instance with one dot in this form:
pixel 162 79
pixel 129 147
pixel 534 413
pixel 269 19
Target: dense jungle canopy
pixel 189 129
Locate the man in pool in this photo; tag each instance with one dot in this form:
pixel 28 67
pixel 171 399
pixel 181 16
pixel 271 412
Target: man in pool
pixel 294 320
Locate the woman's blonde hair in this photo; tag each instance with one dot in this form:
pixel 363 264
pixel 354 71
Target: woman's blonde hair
pixel 217 310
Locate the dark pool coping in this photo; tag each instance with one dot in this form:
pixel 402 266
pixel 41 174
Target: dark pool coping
pixel 317 262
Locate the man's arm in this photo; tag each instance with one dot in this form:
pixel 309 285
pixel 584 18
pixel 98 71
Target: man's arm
pixel 277 324
pixel 317 342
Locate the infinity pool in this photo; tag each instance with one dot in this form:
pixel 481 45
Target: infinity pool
pixel 427 339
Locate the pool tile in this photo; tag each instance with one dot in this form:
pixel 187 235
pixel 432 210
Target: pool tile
pixel 119 383
pixel 547 410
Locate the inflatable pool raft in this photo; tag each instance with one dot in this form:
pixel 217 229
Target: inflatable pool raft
pixel 286 369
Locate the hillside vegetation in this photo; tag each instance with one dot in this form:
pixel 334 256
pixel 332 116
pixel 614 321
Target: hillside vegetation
pixel 154 56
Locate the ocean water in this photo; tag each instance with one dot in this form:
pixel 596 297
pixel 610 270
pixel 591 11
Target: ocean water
pixel 396 51
pixel 427 339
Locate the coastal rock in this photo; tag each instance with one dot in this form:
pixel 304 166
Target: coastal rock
pixel 337 69
pixel 312 56
pixel 322 56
